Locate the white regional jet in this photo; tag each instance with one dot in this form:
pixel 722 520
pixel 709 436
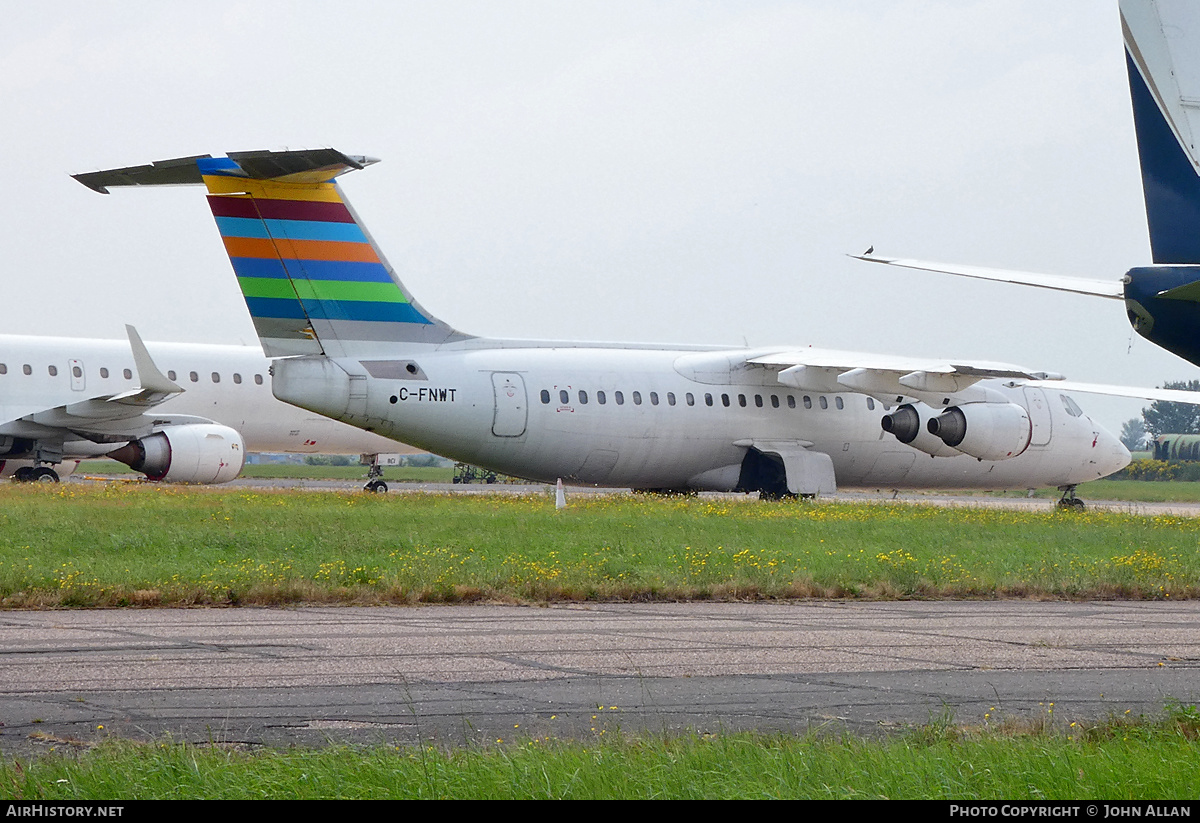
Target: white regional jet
pixel 353 344
pixel 63 399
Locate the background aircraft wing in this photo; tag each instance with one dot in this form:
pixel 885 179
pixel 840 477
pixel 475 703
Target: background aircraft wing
pixel 122 415
pixel 1114 289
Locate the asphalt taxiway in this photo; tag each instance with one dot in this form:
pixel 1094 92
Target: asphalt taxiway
pixel 455 674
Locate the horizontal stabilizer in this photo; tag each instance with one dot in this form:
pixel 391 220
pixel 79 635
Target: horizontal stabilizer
pixel 253 165
pixel 1189 292
pixel 1078 285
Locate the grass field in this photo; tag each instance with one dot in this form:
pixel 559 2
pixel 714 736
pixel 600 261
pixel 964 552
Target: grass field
pixel 1113 760
pixel 401 474
pixel 142 545
pixel 127 544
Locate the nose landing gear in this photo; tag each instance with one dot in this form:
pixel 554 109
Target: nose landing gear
pixel 1069 502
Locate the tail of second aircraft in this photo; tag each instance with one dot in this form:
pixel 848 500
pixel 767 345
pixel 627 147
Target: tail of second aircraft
pixel 1161 42
pixel 313 279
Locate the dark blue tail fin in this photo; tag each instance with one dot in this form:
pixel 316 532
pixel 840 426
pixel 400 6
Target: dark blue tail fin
pixel 1160 41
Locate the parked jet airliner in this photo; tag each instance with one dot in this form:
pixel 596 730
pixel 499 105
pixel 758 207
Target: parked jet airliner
pixel 350 342
pixel 63 399
pixel 1162 301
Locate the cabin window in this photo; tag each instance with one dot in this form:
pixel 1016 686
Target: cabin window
pixel 27 369
pixel 104 372
pixel 545 397
pixel 807 402
pixel 600 398
pixel 791 402
pixel 725 400
pixel 637 398
pixel 691 401
pixel 216 378
pixel 170 374
pixel 742 400
pixel 78 372
pixel 708 399
pixel 127 374
pixel 237 378
pixel 824 402
pixel 258 379
pixel 758 401
pixel 838 402
pixel 870 404
pixel 774 401
pixel 619 397
pixel 53 370
pixel 582 397
pixel 3 368
pixel 563 397
pixel 653 398
pixel 195 378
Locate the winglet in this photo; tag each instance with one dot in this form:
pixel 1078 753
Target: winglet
pixel 149 376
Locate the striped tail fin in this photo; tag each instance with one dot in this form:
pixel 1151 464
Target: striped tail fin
pixel 312 277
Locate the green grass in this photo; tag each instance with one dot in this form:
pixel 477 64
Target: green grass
pixel 136 544
pixel 1142 491
pixel 1117 491
pixel 1113 760
pixel 272 471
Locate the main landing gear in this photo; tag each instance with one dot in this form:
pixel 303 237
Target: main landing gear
pixel 1069 502
pixel 35 474
pixel 375 482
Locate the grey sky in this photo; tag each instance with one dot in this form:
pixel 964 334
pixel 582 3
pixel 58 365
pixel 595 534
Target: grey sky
pixel 669 171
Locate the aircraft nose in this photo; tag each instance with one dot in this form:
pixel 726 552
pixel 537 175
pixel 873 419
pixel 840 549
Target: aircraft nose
pixel 1109 453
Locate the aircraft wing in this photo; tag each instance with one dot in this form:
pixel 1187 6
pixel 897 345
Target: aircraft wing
pixel 889 378
pixel 121 416
pixel 1114 289
pixel 935 382
pixel 1136 393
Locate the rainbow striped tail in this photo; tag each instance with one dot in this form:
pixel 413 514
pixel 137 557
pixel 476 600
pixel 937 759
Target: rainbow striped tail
pixel 312 277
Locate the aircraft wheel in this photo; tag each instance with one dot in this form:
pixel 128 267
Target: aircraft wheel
pixel 376 486
pixel 44 474
pixel 23 474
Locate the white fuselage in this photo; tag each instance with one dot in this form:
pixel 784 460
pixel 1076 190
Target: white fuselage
pixel 660 418
pixel 230 385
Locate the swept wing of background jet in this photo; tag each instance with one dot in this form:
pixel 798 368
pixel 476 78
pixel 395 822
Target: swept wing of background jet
pixel 1162 302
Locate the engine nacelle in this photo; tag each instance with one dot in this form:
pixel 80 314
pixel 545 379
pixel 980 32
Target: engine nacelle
pixel 910 425
pixel 193 453
pixel 989 431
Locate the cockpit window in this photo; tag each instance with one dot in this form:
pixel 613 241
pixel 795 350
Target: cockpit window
pixel 1070 406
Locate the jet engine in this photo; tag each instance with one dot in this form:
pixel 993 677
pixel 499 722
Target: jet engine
pixel 909 423
pixel 989 431
pixel 193 453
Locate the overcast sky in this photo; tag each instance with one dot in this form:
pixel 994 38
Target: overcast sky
pixel 654 171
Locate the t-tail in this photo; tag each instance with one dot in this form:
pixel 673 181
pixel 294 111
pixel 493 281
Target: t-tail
pixel 313 279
